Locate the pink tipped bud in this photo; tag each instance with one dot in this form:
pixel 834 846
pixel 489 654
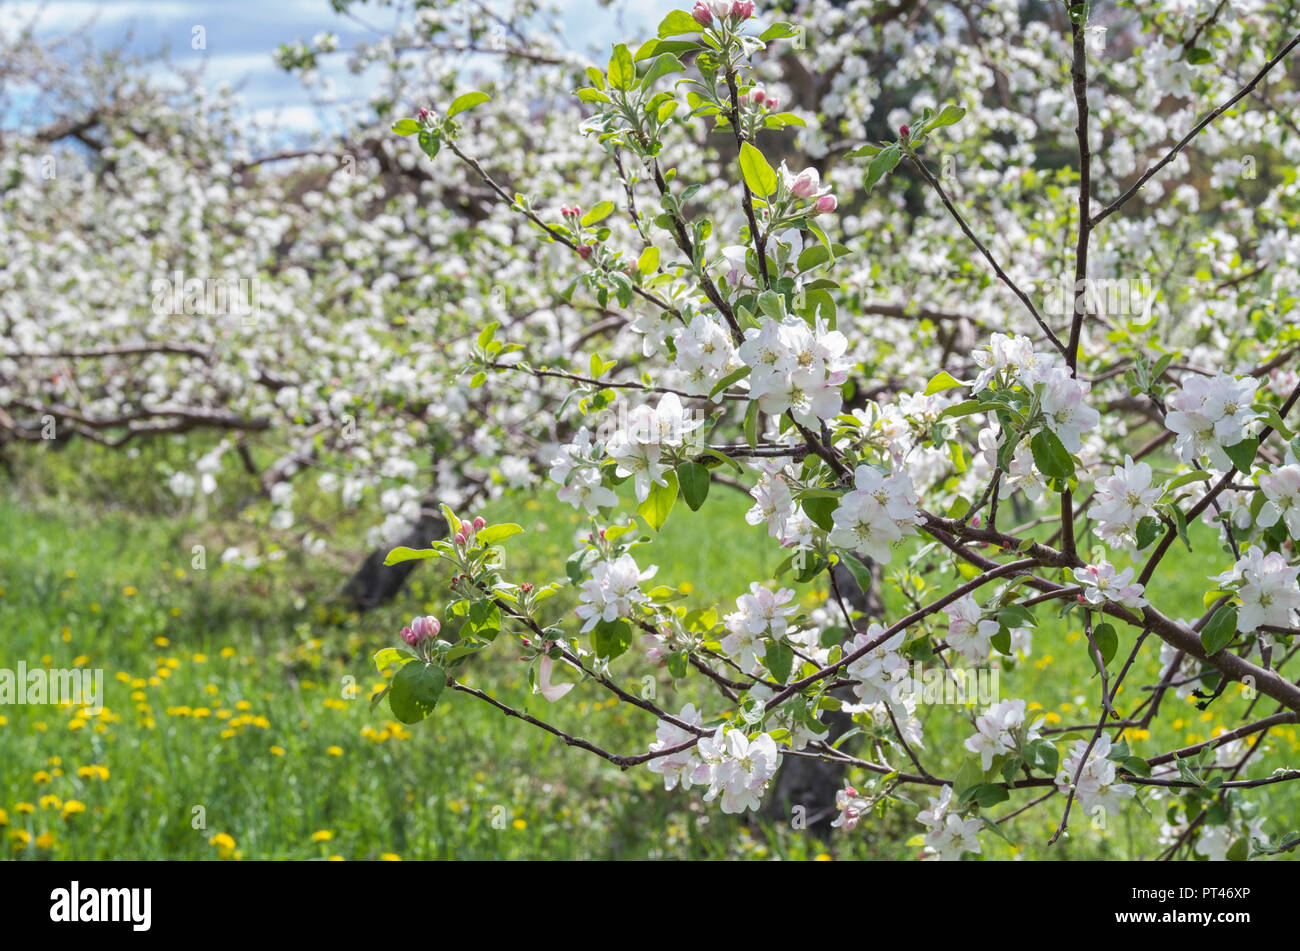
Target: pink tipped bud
pixel 460 538
pixel 1081 599
pixel 773 102
pixel 806 183
pixel 702 15
pixel 742 9
pixel 425 628
pixel 584 251
pixel 904 131
pixel 479 523
pixel 759 95
pixel 408 635
pixel 825 205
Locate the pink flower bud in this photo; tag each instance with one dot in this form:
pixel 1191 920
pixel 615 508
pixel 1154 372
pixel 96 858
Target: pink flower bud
pixel 702 15
pixel 1081 599
pixel 408 635
pixel 805 183
pixel 584 251
pixel 742 9
pixel 825 205
pixel 759 95
pixel 460 538
pixel 772 103
pixel 479 523
pixel 904 131
pixel 425 629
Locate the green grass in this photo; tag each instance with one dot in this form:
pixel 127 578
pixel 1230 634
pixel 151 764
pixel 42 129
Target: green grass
pixel 270 656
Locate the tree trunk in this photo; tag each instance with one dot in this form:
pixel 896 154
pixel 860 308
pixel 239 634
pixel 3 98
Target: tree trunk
pixel 808 783
pixel 373 583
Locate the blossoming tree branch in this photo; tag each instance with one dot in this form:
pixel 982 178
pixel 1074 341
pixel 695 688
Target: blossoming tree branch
pixel 749 377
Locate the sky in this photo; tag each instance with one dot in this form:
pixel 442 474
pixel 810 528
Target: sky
pixel 239 35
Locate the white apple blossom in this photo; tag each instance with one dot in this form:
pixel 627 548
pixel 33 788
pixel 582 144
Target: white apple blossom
pixel 1101 583
pixel 876 671
pixel 969 632
pixel 877 512
pixel 1281 487
pixel 676 767
pixel 795 367
pixel 612 590
pixel 948 835
pixel 1208 413
pixel 1096 787
pixel 998 730
pixel 1267 587
pixel 1122 500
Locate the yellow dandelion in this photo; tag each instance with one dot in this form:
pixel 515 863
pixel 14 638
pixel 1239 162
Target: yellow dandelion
pixel 72 807
pixel 51 802
pixel 41 777
pixel 45 841
pixel 24 808
pixel 334 751
pixel 390 857
pixel 161 641
pixel 130 591
pixel 322 835
pixel 520 824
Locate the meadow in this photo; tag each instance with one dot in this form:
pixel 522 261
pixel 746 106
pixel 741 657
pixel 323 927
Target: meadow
pixel 237 724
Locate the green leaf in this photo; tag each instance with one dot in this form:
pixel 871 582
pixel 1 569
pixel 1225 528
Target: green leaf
pixel 751 424
pixel 678 22
pixel 694 480
pixel 943 380
pixel 1198 475
pixel 1042 756
pixel 820 510
pixel 609 639
pixel 484 621
pixel 415 690
pixel 947 116
pixel 1147 529
pixel 885 162
pixel 663 64
pixel 1107 641
pixel 659 503
pixel 861 573
pixel 1050 456
pixel 732 377
pixel 1198 55
pixel 600 211
pixel 648 262
pixel 497 532
pixel 622 71
pixel 778 31
pixel 1219 630
pixel 466 102
pixel 1243 454
pixel 987 794
pixel 759 175
pixel 779 659
pixel 390 656
pixel 406 127
pixel 401 554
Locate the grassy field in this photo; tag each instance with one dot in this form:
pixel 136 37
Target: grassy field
pixel 231 730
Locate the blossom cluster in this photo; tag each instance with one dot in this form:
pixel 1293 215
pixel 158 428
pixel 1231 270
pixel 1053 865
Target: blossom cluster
pixel 731 765
pixel 1210 412
pixel 1096 786
pixel 878 511
pixel 796 367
